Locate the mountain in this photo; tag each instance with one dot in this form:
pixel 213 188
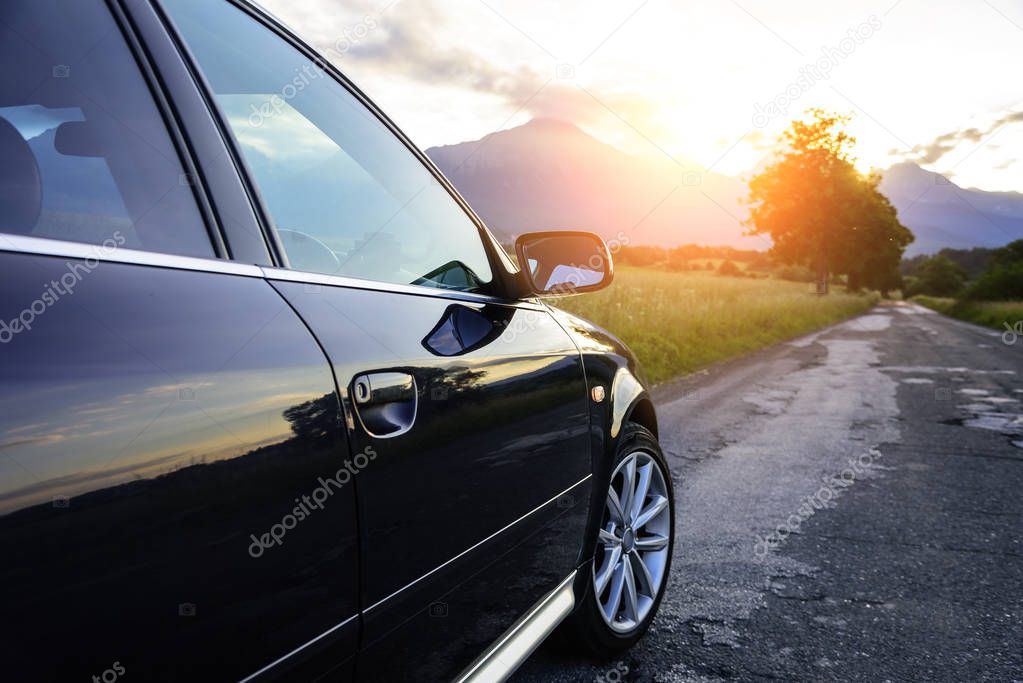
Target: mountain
pixel 549 174
pixel 942 214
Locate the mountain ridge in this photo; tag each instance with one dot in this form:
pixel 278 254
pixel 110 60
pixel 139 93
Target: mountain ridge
pixel 548 174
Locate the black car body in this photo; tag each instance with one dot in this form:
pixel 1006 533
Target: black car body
pixel 219 464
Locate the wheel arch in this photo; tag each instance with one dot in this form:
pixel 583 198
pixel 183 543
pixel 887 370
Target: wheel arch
pixel 630 402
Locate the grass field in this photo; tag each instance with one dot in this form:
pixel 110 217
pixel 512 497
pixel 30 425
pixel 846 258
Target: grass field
pixel 996 314
pixel 680 322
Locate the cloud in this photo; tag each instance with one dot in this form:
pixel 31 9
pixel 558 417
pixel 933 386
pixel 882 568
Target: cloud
pixel 397 43
pixel 943 144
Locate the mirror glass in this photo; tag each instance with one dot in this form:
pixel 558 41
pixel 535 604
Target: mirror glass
pixel 564 263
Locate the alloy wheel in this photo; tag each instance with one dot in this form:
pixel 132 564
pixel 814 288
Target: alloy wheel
pixel 632 545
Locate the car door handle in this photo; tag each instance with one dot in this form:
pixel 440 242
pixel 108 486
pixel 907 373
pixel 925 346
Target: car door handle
pixel 385 402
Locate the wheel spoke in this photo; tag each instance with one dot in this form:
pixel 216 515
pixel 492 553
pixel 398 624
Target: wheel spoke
pixel 613 558
pixel 628 484
pixel 614 602
pixel 631 599
pixel 642 487
pixel 608 538
pixel 658 504
pixel 649 543
pixel 614 506
pixel 639 569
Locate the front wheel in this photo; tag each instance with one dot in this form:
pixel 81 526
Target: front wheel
pixel 629 570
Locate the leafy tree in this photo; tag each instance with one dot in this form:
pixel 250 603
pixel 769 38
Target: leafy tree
pixel 874 242
pixel 730 269
pixel 1003 280
pixel 974 261
pixel 938 276
pixel 821 212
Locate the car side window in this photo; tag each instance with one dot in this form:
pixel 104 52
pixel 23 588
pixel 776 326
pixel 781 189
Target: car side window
pixel 86 155
pixel 346 195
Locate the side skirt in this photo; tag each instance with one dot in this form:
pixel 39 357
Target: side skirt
pixel 504 656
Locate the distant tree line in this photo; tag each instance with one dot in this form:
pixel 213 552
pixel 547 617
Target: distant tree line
pixel 722 260
pixel 975 274
pixel 690 256
pixel 973 261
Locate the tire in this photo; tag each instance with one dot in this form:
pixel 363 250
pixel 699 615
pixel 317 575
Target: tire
pixel 597 624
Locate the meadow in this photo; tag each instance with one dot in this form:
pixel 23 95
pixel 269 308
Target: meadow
pixel 1001 315
pixel 679 322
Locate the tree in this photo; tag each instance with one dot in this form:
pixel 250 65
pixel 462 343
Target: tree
pixel 874 242
pixel 821 212
pixel 729 269
pixel 938 276
pixel 1003 279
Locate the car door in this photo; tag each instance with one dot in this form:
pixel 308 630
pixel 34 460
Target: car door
pixel 171 506
pixel 474 405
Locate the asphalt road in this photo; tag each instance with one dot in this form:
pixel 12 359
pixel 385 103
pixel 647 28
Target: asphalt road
pixel 850 507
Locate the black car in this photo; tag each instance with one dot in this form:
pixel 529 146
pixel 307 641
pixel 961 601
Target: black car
pixel 275 402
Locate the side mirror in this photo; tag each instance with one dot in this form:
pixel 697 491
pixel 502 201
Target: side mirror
pixel 562 263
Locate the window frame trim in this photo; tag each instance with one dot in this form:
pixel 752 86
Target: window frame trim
pixel 506 283
pixel 85 251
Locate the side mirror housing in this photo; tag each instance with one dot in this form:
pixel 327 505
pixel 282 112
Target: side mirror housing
pixel 563 262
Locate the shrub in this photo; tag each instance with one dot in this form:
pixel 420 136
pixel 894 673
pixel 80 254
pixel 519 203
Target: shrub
pixel 1003 280
pixel 938 276
pixel 1000 283
pixel 729 269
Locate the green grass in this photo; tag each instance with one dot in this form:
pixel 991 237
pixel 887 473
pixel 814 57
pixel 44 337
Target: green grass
pixel 996 314
pixel 680 322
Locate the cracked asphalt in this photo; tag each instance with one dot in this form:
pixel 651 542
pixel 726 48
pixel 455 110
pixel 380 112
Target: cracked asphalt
pixel 849 507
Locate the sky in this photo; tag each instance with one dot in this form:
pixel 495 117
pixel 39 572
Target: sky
pixel 936 82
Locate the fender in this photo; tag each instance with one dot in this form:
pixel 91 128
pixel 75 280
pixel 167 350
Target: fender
pixel 607 362
pixel 629 398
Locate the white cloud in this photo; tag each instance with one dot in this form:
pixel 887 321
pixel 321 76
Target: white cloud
pixel 681 75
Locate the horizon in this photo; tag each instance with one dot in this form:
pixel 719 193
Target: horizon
pixel 714 85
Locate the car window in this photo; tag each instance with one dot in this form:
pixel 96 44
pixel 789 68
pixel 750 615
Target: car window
pixel 86 155
pixel 347 197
